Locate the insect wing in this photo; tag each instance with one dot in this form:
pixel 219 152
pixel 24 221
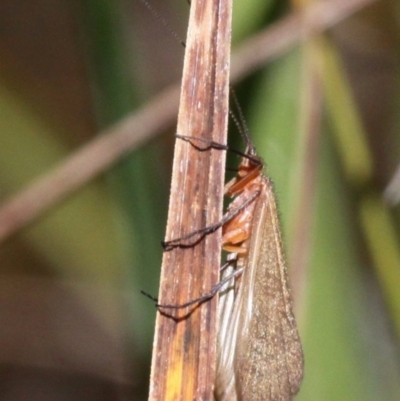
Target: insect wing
pixel 268 361
pixel 225 388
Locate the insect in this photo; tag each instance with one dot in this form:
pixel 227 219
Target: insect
pixel 259 350
pixel 260 355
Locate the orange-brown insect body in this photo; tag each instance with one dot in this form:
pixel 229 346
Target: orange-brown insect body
pixel 236 231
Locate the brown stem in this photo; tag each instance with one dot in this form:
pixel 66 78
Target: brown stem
pixel 183 365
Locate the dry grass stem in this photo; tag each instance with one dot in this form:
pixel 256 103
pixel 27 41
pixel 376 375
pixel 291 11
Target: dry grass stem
pixel 183 365
pixel 281 36
pixel 88 162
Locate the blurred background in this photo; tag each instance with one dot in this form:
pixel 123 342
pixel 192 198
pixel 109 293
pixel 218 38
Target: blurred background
pixel 324 115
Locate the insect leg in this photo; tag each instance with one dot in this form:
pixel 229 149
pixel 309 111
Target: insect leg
pixel 180 242
pixel 204 297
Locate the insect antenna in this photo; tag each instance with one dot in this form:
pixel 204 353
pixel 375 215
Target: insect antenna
pixel 163 21
pixel 241 124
